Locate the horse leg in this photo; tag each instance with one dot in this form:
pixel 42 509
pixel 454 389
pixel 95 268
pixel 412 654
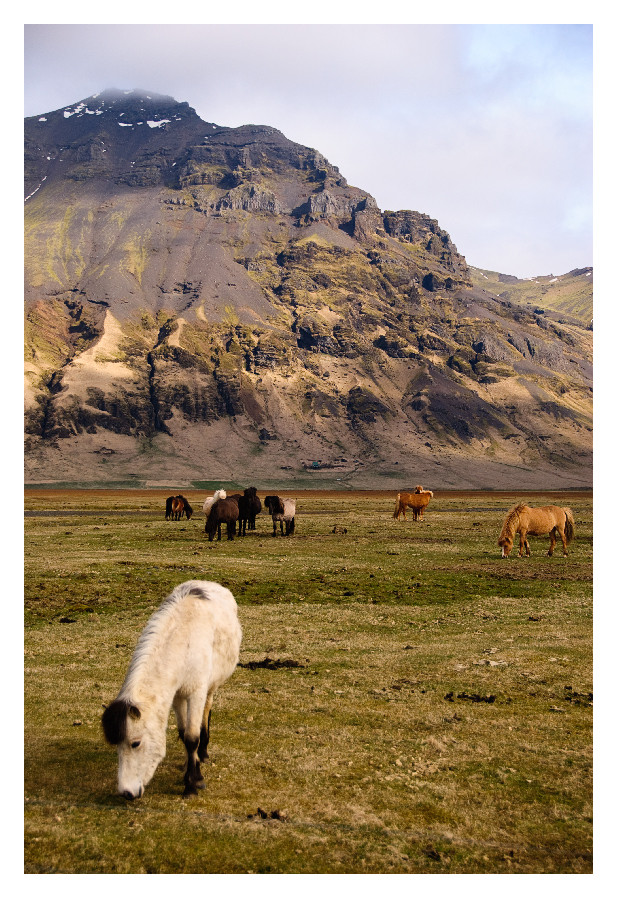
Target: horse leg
pixel 562 534
pixel 219 532
pixel 179 706
pixel 193 779
pixel 231 529
pixel 204 734
pixel 553 536
pixel 523 544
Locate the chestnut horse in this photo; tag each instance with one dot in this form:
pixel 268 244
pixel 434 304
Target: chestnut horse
pixel 417 501
pixel 176 506
pixel 180 506
pixel 522 519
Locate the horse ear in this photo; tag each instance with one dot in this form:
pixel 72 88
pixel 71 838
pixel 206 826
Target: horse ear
pixel 134 712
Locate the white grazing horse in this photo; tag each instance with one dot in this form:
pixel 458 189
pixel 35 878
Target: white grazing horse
pixel 219 494
pixel 188 648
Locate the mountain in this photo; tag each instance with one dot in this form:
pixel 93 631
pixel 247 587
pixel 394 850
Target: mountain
pixel 208 304
pixel 568 295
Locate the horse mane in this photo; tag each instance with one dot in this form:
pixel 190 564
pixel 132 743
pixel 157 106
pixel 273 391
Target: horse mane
pixel 219 494
pixel 275 505
pixel 509 525
pixel 157 625
pixel 187 507
pixel 114 721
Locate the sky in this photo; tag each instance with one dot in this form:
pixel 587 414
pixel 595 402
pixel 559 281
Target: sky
pixel 486 128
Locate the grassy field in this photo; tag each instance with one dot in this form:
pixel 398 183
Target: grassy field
pixel 437 718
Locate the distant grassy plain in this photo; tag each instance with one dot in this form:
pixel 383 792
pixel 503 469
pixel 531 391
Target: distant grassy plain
pixel 439 718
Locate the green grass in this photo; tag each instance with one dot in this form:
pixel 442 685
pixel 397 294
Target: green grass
pixel 439 721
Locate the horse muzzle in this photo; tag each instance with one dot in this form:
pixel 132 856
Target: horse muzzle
pixel 130 796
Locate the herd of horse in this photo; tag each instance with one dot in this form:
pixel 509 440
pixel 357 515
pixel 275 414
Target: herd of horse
pixel 241 509
pixel 191 644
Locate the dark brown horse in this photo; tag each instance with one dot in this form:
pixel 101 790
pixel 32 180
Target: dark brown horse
pixel 224 511
pixel 249 506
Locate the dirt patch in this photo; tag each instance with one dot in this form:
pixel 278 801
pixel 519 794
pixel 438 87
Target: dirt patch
pixel 271 664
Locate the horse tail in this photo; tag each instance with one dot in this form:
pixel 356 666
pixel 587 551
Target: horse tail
pixel 569 526
pixel 397 507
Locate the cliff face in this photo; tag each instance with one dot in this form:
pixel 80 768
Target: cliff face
pixel 208 303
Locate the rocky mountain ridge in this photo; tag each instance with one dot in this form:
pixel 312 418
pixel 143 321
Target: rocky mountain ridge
pixel 214 304
pixel 567 295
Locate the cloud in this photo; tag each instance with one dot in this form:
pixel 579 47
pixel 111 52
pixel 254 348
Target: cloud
pixel 486 128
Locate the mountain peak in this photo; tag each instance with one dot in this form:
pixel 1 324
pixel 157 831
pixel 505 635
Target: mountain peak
pixel 135 106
